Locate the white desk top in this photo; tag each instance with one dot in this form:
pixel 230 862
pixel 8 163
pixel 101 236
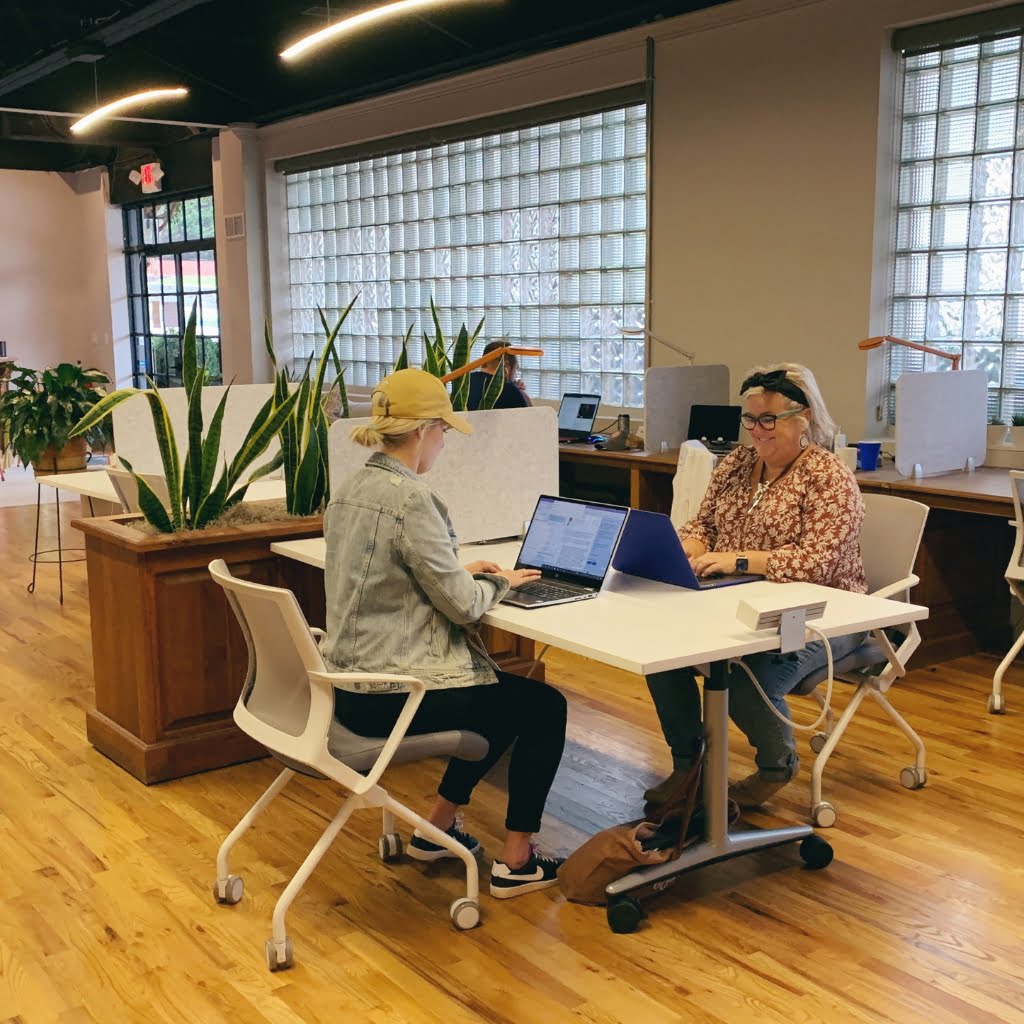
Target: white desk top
pixel 94 483
pixel 644 627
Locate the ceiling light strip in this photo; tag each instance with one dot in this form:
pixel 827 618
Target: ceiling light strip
pixel 124 103
pixel 358 21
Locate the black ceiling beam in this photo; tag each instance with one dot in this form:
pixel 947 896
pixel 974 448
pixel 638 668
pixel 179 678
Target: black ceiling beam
pixel 115 32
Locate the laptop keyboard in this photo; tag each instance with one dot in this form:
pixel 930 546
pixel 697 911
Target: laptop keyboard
pixel 544 589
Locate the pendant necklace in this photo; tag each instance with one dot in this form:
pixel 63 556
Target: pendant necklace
pixel 763 486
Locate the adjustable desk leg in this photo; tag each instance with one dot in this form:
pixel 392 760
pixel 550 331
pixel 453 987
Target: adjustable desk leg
pixel 718 842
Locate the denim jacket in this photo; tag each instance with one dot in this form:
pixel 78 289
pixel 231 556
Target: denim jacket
pixel 398 600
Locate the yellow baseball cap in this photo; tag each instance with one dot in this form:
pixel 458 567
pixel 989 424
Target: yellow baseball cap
pixel 416 395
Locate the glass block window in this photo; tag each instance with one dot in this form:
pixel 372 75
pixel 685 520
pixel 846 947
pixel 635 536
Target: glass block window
pixel 542 231
pixel 959 254
pixel 170 263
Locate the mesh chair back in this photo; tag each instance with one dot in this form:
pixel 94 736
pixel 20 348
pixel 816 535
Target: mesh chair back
pixel 281 651
pixel 890 537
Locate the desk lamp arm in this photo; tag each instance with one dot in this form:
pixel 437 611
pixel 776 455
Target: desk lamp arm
pixel 869 343
pixel 507 350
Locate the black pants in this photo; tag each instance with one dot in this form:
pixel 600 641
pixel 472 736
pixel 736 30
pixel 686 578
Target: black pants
pixel 515 710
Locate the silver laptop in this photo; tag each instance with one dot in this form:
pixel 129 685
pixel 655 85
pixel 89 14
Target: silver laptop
pixel 572 543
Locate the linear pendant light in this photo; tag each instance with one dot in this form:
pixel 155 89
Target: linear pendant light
pixel 136 99
pixel 357 21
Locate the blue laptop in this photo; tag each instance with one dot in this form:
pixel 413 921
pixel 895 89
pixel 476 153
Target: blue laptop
pixel 650 548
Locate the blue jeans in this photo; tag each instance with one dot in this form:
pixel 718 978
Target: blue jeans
pixel 676 698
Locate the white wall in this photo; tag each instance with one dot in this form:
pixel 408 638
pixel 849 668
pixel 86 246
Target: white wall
pixel 53 301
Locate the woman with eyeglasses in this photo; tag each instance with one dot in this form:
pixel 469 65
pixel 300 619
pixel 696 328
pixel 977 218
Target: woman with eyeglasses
pixel 400 602
pixel 784 507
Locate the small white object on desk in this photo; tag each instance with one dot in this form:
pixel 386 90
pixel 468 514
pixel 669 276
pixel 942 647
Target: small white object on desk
pixel 849 457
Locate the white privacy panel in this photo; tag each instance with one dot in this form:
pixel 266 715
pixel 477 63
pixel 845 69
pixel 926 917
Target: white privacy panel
pixel 490 479
pixel 941 420
pixel 135 439
pixel 670 391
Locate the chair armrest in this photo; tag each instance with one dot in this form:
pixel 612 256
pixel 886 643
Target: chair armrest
pixel 898 587
pixel 318 634
pixel 327 682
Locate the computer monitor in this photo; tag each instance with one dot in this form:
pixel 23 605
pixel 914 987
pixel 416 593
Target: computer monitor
pixel 716 425
pixel 576 415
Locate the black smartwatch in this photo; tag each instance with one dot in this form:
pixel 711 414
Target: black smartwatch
pixel 742 565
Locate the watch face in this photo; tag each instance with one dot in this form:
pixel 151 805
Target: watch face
pixel 741 565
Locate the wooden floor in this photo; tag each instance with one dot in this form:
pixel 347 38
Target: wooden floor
pixel 106 913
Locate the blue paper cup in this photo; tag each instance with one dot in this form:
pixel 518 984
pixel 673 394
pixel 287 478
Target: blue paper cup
pixel 867 455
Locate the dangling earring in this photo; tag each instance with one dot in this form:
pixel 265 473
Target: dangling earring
pixel 804 441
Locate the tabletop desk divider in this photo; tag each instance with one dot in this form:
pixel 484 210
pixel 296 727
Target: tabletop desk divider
pixel 490 479
pixel 669 393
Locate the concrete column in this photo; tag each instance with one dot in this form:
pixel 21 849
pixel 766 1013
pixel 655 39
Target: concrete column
pixel 238 188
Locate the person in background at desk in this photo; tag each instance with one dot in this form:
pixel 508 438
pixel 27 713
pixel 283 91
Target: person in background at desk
pixel 399 601
pixel 513 394
pixel 784 507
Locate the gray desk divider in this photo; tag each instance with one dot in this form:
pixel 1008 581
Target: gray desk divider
pixel 135 439
pixel 490 479
pixel 669 391
pixel 941 421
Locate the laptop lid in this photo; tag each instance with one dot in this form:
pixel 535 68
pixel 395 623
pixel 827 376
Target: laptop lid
pixel 576 414
pixel 714 422
pixel 650 548
pixel 572 541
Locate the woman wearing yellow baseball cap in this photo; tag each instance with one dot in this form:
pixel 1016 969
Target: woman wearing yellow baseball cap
pixel 400 602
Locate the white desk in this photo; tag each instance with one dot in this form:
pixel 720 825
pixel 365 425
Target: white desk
pixel 647 627
pixel 95 484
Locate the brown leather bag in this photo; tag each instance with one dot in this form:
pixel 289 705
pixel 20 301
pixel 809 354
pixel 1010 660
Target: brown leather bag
pixel 615 852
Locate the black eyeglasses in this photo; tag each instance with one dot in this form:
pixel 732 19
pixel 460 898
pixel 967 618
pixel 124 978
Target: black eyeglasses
pixel 767 420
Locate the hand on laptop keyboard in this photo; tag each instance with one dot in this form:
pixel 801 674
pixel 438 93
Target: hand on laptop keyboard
pixel 518 577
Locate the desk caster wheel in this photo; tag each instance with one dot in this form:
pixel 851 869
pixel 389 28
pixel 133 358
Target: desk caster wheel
pixel 228 892
pixel 816 852
pixel 818 741
pixel 389 846
pixel 624 914
pixel 823 815
pixel 914 777
pixel 275 964
pixel 465 914
pixel 996 704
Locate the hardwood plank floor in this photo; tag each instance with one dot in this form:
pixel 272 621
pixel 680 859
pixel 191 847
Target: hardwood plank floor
pixel 106 913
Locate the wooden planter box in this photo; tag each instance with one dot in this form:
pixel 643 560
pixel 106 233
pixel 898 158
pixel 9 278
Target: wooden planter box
pixel 169 659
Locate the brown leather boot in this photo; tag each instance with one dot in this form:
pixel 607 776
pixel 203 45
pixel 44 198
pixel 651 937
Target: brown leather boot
pixel 755 790
pixel 660 792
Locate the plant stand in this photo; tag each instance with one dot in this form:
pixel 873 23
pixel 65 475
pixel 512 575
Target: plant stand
pixel 35 558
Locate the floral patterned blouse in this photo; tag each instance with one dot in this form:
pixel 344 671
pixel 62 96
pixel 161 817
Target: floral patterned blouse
pixel 809 520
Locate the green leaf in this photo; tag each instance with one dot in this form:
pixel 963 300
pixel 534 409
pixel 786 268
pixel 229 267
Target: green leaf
pixel 403 357
pixel 189 364
pixel 268 342
pixel 152 507
pixel 460 356
pixel 213 504
pixel 193 476
pixel 256 444
pixel 494 386
pixel 102 409
pixel 211 452
pixel 168 449
pixel 268 467
pixel 305 480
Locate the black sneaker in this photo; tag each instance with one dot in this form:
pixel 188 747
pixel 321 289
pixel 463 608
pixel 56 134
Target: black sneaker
pixel 537 873
pixel 424 849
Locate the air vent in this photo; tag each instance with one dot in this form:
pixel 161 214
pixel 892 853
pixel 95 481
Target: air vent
pixel 234 225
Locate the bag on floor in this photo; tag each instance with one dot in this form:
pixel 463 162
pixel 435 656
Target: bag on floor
pixel 610 855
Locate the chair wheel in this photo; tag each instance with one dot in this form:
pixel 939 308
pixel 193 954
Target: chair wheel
pixel 914 777
pixel 273 963
pixel 465 914
pixel 816 852
pixel 996 704
pixel 624 914
pixel 389 846
pixel 229 891
pixel 823 815
pixel 818 741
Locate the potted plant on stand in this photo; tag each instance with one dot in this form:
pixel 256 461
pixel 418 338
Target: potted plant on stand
pixel 40 410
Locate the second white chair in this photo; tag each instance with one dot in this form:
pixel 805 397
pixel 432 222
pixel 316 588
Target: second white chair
pixel 1015 581
pixel 693 473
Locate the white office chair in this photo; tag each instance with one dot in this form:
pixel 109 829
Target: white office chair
pixel 693 472
pixel 128 490
pixel 1014 580
pixel 889 540
pixel 287 704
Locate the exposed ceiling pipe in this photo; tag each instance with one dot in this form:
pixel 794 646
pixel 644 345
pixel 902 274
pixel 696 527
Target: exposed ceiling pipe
pixel 115 32
pixel 135 120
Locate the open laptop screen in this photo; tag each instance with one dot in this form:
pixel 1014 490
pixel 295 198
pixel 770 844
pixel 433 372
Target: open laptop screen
pixel 570 539
pixel 714 422
pixel 576 414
